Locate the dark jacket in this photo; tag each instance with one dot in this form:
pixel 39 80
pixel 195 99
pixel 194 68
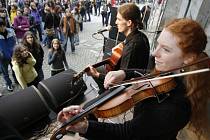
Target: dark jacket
pixel 51 20
pixel 135 54
pixel 38 54
pixel 136 51
pixel 7 44
pixel 57 60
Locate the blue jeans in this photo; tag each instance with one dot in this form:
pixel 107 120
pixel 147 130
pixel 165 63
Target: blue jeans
pixel 39 29
pixel 71 37
pixel 76 39
pixel 40 76
pixel 0 69
pixel 4 68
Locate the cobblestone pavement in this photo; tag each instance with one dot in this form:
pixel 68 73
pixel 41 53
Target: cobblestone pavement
pixel 89 51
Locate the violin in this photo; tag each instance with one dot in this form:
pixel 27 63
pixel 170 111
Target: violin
pixel 115 56
pixel 109 63
pixel 77 76
pixel 118 100
pixel 58 134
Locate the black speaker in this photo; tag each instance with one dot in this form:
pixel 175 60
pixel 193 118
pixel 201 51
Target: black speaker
pixel 60 90
pixel 24 107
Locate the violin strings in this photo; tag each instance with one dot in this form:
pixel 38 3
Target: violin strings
pixel 150 76
pixel 164 77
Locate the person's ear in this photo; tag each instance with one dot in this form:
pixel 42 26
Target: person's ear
pixel 129 23
pixel 189 58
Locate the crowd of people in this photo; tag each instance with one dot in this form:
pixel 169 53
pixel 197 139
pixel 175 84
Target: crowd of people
pixel 181 43
pixel 35 25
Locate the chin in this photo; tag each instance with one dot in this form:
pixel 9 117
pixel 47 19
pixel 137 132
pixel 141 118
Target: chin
pixel 159 68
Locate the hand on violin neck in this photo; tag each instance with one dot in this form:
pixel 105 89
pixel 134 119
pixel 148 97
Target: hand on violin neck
pixel 79 127
pixel 92 72
pixel 114 77
pixel 67 113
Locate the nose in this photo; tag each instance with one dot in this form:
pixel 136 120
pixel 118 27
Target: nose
pixel 155 53
pixel 116 21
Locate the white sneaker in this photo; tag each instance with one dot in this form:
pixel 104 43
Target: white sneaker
pixel 10 88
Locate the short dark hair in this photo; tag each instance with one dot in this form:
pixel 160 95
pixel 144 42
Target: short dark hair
pixel 2 22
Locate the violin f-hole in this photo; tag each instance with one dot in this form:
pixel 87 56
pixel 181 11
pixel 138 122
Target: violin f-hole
pixel 139 87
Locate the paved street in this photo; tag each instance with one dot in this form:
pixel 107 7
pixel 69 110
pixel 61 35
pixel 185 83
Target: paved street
pixel 89 51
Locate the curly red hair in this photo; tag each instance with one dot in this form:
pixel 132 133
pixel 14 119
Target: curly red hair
pixel 192 39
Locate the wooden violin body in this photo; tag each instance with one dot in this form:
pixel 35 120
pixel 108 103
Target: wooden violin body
pixel 118 101
pixel 114 58
pixel 132 95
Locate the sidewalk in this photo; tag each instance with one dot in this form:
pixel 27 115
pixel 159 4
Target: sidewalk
pixel 89 51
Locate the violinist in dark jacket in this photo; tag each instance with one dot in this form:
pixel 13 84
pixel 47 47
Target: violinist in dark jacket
pixel 135 46
pixel 181 43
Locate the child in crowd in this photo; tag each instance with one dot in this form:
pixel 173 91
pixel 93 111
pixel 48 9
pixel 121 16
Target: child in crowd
pixel 57 58
pixel 23 65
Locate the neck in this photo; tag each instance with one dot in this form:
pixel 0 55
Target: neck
pixel 130 30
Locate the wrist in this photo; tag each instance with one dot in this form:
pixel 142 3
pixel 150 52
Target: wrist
pixel 97 75
pixel 84 129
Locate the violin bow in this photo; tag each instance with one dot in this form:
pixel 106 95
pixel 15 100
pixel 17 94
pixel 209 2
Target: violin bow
pixel 165 74
pixel 164 77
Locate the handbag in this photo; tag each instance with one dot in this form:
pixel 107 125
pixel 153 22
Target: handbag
pixel 50 32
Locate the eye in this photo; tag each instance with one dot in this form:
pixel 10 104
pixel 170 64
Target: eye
pixel 166 49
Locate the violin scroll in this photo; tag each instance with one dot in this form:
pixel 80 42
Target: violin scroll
pixel 58 134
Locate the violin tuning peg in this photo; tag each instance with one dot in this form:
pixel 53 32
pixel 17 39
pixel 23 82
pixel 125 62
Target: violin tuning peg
pixel 182 70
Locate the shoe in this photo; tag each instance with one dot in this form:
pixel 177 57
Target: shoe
pixel 10 88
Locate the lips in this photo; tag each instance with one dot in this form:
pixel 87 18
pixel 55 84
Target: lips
pixel 157 62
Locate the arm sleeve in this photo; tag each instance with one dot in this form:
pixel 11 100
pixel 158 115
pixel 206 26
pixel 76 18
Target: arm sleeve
pixel 132 73
pixel 139 55
pixel 162 120
pixel 19 76
pixel 31 60
pixel 27 24
pixel 15 24
pixel 136 53
pixel 61 23
pixel 51 57
pixel 64 61
pixel 41 52
pixel 101 77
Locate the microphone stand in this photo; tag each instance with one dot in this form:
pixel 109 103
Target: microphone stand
pixel 116 41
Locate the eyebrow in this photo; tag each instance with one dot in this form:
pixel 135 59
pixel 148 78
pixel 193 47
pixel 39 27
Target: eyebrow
pixel 164 46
